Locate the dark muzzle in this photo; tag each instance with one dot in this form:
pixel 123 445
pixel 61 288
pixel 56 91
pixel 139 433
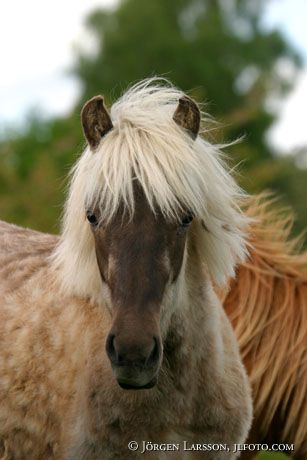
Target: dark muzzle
pixel 135 362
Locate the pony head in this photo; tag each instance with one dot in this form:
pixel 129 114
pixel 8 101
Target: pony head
pixel 145 182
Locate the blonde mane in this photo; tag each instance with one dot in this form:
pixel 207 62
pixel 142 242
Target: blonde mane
pixel 175 173
pixel 267 304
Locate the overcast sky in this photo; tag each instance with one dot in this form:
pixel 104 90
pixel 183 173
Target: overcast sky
pixel 36 43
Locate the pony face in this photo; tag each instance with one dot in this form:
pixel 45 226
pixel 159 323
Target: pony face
pixel 138 258
pixel 143 175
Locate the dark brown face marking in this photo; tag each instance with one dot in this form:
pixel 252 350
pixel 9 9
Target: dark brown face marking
pixel 136 259
pixel 96 121
pixel 187 115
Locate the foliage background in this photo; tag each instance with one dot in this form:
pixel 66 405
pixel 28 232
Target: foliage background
pixel 218 50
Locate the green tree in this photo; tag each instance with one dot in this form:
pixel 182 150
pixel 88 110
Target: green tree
pixel 219 49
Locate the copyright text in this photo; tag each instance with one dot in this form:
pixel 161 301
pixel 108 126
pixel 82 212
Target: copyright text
pixel 148 446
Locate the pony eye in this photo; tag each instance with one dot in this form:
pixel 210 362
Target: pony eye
pixel 91 217
pixel 187 219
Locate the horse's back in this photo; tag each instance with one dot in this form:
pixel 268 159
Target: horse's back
pixel 14 239
pixel 22 252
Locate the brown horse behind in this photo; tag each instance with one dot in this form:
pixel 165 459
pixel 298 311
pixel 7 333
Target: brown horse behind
pixel 267 304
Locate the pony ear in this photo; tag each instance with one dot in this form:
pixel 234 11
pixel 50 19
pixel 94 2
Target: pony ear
pixel 187 116
pixel 96 121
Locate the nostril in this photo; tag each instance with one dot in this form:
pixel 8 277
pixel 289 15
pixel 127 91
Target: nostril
pixel 132 355
pixel 110 348
pixel 154 356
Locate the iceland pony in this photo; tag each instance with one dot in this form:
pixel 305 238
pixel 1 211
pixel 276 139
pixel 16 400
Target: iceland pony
pixel 113 332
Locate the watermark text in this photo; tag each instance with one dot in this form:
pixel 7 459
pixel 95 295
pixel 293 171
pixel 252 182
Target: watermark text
pixel 184 446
